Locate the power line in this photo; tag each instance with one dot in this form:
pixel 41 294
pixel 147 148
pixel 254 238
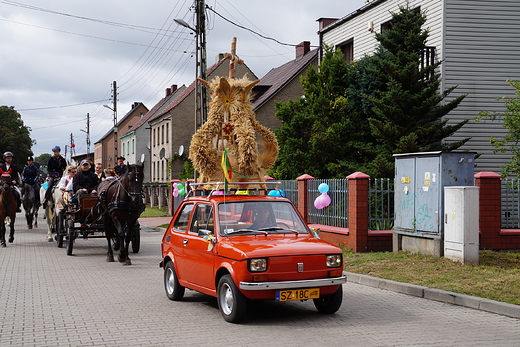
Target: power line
pixel 63 106
pixel 250 30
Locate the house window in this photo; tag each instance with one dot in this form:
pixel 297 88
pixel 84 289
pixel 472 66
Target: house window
pixel 133 146
pixel 162 170
pixel 153 138
pixel 347 48
pixel 162 134
pixel 167 132
pixel 428 59
pixel 123 148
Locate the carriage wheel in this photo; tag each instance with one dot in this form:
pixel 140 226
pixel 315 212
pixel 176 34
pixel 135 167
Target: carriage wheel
pixel 59 230
pixel 136 238
pixel 71 235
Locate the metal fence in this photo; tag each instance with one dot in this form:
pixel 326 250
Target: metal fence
pixel 336 214
pixel 381 204
pixel 290 187
pixel 510 203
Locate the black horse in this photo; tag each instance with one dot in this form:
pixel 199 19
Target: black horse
pixel 121 203
pixel 30 204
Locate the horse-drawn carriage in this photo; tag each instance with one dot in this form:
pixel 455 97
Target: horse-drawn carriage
pixel 112 213
pixel 84 220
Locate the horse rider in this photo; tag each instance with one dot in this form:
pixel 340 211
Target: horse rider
pixel 120 168
pixel 8 168
pixel 30 176
pixel 55 168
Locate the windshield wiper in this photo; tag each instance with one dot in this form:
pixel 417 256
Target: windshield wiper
pixel 245 230
pixel 279 228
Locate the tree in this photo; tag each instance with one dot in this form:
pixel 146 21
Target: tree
pixel 43 159
pixel 409 108
pixel 321 135
pixel 14 136
pixel 511 122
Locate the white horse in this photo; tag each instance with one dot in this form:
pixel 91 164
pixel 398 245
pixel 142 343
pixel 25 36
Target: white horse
pixel 51 211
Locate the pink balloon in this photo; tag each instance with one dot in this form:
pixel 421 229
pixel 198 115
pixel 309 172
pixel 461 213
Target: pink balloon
pixel 318 203
pixel 325 199
pixel 175 191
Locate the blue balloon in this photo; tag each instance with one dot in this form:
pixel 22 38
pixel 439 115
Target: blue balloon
pixel 278 192
pixel 323 188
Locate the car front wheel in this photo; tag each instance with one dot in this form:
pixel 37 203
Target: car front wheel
pixel 231 302
pixel 174 291
pixel 330 303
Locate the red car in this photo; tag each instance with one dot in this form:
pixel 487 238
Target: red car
pixel 240 248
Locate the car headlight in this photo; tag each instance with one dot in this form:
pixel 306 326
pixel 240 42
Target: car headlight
pixel 257 265
pixel 334 260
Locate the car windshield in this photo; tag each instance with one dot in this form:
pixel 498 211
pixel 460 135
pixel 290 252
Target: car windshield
pixel 263 217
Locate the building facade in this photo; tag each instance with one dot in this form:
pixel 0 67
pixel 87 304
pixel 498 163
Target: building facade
pixel 478 43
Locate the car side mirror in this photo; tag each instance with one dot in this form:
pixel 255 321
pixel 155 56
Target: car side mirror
pixel 204 232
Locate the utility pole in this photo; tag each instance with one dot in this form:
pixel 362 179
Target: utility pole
pixel 114 92
pixel 88 134
pixel 201 49
pixel 72 146
pixel 114 109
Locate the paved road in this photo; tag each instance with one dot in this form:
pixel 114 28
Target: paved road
pixel 50 299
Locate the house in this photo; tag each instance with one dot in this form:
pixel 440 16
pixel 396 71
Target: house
pixel 136 141
pixel 282 84
pixel 104 151
pixel 478 43
pixel 172 129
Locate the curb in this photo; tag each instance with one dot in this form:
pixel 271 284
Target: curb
pixel 474 302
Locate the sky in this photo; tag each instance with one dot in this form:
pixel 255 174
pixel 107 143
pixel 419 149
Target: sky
pixel 59 58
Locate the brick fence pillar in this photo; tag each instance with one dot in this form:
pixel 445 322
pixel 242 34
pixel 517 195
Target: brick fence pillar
pixel 490 209
pixel 303 201
pixel 358 210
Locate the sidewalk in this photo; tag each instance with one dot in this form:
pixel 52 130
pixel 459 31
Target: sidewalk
pixel 155 221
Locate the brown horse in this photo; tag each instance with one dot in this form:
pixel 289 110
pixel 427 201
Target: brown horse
pixel 121 204
pixel 8 207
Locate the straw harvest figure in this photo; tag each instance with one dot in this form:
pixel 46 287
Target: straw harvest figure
pixel 232 126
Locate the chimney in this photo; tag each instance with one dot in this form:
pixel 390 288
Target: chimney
pixel 303 48
pixel 173 88
pixel 168 91
pixel 219 57
pixel 325 22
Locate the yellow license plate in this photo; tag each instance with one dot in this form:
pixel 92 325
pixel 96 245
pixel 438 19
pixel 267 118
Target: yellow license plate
pixel 297 294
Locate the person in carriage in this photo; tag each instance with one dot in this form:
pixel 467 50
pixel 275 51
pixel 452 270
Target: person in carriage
pixel 120 168
pixel 85 181
pixel 30 176
pixel 110 174
pixel 99 172
pixel 55 167
pixel 65 186
pixel 8 168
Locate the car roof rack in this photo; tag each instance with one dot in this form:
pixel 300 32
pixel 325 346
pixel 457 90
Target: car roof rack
pixel 220 187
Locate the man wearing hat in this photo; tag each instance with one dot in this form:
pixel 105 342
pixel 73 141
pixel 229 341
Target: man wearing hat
pixel 55 167
pixel 85 181
pixel 120 167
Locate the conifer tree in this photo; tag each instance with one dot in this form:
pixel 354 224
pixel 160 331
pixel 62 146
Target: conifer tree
pixel 409 109
pixel 321 135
